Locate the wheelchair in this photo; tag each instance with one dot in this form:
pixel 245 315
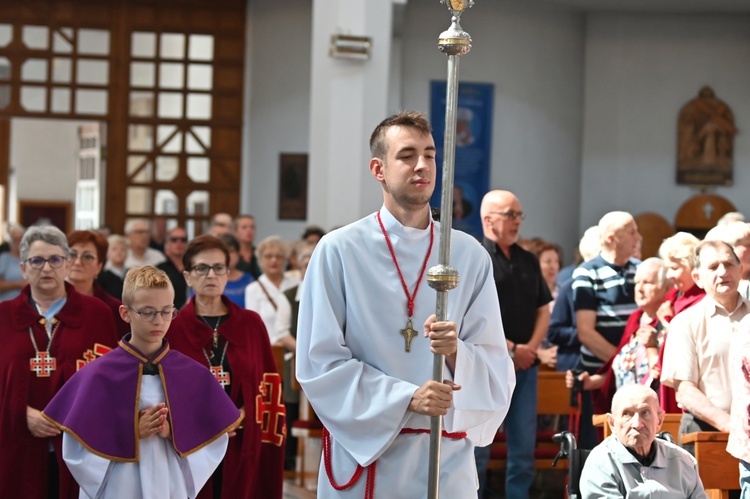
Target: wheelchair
pixel 577 458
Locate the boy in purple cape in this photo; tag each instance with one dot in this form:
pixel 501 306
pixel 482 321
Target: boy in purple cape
pixel 143 421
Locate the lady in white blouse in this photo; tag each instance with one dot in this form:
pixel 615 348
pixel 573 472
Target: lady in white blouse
pixel 266 295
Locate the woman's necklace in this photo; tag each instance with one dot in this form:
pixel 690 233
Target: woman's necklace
pixel 215 327
pixel 218 371
pixel 43 364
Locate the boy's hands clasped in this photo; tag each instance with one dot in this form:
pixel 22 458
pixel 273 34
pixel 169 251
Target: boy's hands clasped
pixel 153 421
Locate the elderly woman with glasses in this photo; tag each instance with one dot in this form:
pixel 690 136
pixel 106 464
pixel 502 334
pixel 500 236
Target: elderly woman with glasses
pixel 88 251
pixel 266 295
pixel 233 343
pixel 49 332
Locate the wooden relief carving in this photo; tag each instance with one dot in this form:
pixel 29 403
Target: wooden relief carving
pixel 705 141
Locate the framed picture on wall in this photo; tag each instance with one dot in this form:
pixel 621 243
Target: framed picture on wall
pixel 57 213
pixel 292 186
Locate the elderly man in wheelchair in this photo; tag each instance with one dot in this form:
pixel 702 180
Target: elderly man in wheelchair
pixel 632 462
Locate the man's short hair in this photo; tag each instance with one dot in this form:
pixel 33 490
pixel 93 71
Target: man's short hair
pixel 634 388
pixel 679 247
pixel 611 223
pixel 732 232
pixel 144 277
pixel 715 244
pixel 408 119
pixel 590 245
pixel 230 241
pixel 732 216
pixel 242 217
pixel 130 224
pixel 313 230
pixel 661 272
pixel 47 234
pixel 229 223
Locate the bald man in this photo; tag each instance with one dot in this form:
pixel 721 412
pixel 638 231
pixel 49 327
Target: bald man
pixel 632 462
pixel 523 296
pixel 604 298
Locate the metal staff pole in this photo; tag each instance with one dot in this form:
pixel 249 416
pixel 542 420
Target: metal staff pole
pixel 455 42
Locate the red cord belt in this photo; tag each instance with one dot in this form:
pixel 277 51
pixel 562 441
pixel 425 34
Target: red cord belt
pixel 370 485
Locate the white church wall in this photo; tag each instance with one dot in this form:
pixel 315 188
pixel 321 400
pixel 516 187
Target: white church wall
pixel 43 157
pixel 640 70
pixel 279 107
pixel 533 54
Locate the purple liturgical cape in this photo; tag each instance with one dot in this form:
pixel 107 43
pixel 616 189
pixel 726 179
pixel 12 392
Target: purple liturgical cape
pixel 99 404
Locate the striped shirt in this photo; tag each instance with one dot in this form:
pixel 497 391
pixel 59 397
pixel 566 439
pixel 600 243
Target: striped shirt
pixel 609 290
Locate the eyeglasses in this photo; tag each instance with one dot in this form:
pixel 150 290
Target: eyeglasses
pixel 510 214
pixel 86 258
pixel 203 269
pixel 149 314
pixel 178 239
pixel 37 262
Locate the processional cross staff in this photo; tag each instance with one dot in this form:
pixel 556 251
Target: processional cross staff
pixel 454 42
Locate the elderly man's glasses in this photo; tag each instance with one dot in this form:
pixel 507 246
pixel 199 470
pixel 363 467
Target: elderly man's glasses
pixel 510 214
pixel 178 239
pixel 86 258
pixel 149 314
pixel 37 262
pixel 203 269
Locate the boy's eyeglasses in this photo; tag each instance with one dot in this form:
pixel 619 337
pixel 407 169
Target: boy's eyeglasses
pixel 202 269
pixel 149 314
pixel 37 262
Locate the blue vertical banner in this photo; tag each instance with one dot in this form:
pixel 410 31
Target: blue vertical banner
pixel 473 148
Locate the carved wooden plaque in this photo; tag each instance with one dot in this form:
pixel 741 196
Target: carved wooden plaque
pixel 705 141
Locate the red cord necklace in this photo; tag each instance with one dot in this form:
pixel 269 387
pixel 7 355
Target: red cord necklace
pixel 409 333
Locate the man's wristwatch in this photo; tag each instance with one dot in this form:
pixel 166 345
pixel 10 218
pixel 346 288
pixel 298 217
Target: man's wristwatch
pixel 512 351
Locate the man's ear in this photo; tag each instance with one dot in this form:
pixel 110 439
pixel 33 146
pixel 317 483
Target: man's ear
pixel 660 415
pixel 376 168
pixel 611 422
pixel 696 278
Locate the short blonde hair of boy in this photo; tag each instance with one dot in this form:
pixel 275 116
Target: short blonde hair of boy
pixel 145 277
pixel 679 247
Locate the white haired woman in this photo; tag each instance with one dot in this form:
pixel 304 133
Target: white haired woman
pixel 266 295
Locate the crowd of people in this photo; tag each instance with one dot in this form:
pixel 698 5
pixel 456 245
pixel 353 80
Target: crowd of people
pixel 677 324
pixel 638 339
pixel 68 300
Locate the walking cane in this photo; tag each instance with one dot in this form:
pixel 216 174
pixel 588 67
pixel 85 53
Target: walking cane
pixel 455 42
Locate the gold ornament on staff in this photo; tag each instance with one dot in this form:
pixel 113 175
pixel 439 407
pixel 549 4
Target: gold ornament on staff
pixel 454 42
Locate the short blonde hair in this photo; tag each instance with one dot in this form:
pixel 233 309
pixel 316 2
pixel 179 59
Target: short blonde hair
pixel 144 277
pixel 273 241
pixel 679 247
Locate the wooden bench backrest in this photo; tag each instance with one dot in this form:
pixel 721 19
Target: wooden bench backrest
pixel 671 424
pixel 278 355
pixel 553 397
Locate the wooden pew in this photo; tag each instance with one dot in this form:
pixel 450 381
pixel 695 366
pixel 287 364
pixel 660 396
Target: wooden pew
pixel 553 398
pixel 718 469
pixel 671 424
